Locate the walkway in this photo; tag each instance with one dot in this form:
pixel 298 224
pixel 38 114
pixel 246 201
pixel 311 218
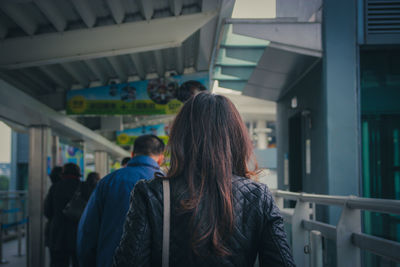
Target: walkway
pixel 10 251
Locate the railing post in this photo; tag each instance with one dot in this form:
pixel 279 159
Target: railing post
pixel 347 253
pixel 299 234
pixel 2 261
pixel 19 232
pixel 316 249
pixel 279 201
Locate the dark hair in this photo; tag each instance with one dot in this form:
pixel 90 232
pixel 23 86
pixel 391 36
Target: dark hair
pixel 188 89
pixel 148 144
pixel 55 174
pixel 72 169
pixel 93 178
pixel 209 143
pixel 125 161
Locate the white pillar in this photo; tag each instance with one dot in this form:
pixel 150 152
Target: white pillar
pixel 261 131
pixel 55 153
pixel 39 154
pixel 14 161
pixel 251 129
pixel 101 163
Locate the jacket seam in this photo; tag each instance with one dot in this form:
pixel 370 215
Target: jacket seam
pixel 277 246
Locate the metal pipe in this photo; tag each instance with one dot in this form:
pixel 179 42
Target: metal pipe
pixel 327 230
pixel 353 202
pixel 316 249
pixel 264 21
pixel 386 248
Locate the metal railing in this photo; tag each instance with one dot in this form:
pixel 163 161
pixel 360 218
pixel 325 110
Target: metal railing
pixel 307 233
pixel 13 219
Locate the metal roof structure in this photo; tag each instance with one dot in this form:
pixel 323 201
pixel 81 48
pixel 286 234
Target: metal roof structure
pixel 48 47
pixel 264 58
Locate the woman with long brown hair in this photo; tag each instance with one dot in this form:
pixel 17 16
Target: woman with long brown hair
pixel 219 216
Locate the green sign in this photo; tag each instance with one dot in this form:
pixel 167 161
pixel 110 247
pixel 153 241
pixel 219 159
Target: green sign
pixel 149 97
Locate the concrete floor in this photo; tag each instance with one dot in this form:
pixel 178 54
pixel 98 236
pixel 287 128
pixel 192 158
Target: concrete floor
pixel 10 251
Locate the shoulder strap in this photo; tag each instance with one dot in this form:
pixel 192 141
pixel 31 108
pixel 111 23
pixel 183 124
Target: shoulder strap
pixel 166 225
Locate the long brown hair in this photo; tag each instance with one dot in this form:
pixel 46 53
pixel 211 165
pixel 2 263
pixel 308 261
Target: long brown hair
pixel 209 144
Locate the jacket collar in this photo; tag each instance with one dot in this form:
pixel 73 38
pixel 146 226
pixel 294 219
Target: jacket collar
pixel 143 161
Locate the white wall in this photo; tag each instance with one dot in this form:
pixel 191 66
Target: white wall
pixel 5 143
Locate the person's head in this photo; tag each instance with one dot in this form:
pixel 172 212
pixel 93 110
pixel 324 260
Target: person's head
pixel 149 145
pixel 93 178
pixel 189 89
pixel 55 174
pixel 125 161
pixel 209 143
pixel 71 169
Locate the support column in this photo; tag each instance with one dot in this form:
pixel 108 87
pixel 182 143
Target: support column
pixel 341 99
pixel 39 152
pixel 14 161
pixel 55 155
pixel 261 131
pixel 101 163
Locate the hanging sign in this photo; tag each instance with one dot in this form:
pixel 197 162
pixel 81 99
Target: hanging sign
pixel 148 97
pixel 128 136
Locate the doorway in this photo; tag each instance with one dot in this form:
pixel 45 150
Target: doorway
pixel 296 153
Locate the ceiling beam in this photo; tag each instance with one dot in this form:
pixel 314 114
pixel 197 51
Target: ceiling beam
pixel 77 73
pixel 298 37
pixel 21 18
pixel 56 77
pixel 52 13
pixel 40 114
pixel 159 63
pixel 3 30
pixel 146 8
pixel 138 65
pixel 208 32
pixel 117 10
pixel 97 70
pixel 121 39
pixel 176 7
pixel 119 68
pixel 35 77
pixel 180 60
pixel 19 82
pixel 85 11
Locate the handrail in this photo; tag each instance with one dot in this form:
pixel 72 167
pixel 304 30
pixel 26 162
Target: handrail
pixel 16 193
pixel 327 230
pixel 379 246
pixel 353 202
pixel 347 233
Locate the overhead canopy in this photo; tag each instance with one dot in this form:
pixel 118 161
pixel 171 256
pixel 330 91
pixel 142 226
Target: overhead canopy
pixel 19 109
pixel 49 47
pixel 271 56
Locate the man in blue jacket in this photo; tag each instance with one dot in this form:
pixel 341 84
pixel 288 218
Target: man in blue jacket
pixel 101 224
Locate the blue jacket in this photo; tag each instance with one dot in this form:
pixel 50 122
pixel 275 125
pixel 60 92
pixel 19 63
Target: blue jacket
pixel 101 225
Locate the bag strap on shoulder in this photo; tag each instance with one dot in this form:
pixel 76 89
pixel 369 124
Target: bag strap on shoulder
pixel 166 223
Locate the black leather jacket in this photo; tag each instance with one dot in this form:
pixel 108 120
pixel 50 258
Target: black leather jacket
pixel 258 229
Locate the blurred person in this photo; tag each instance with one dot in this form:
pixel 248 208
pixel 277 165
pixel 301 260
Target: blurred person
pixel 90 184
pixel 55 176
pixel 125 161
pixel 219 216
pixel 189 89
pixel 62 230
pixel 100 227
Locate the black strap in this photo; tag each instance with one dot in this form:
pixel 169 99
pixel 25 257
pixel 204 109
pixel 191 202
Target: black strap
pixel 166 224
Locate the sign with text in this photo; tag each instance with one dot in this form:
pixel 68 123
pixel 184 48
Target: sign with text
pixel 128 136
pixel 148 97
